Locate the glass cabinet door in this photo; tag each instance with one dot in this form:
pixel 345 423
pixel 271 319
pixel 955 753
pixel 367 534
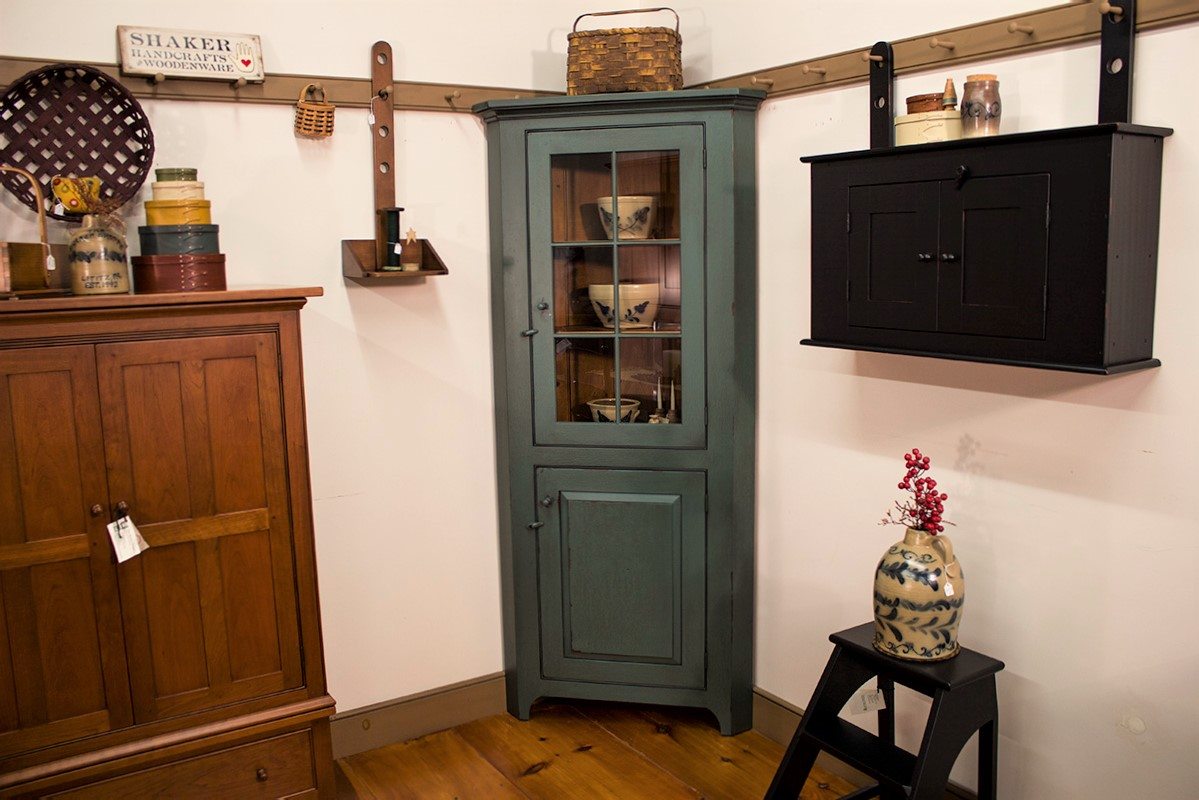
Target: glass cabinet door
pixel 616 283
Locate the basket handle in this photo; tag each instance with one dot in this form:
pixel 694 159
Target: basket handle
pixel 627 11
pixel 41 209
pixel 314 88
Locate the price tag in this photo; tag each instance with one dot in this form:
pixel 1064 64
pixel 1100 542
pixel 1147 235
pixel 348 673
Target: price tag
pixel 948 589
pixel 370 119
pixel 127 540
pixel 399 248
pixel 866 701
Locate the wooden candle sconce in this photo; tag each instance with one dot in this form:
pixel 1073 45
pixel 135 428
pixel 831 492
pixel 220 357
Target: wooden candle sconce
pixel 362 260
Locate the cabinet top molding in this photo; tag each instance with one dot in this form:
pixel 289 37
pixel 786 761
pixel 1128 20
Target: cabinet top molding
pixel 575 105
pixel 136 301
pixel 1106 128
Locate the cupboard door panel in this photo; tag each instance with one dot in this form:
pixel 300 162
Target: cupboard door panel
pixel 62 663
pixel 892 256
pixel 194 441
pixel 621 566
pixel 995 256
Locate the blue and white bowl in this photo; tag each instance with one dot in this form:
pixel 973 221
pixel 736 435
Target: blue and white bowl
pixel 638 304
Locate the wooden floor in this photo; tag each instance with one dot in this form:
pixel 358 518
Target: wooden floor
pixel 577 750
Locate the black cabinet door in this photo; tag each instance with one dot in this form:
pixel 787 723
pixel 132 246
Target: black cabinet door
pixel 892 256
pixel 994 256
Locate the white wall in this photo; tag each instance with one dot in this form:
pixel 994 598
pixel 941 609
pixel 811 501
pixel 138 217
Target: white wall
pixel 1071 493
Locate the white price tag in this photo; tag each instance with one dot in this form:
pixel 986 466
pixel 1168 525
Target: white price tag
pixel 399 248
pixel 866 701
pixel 948 589
pixel 127 540
pixel 370 119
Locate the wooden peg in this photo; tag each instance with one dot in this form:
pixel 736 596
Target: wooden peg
pixel 241 82
pixel 767 82
pixel 385 92
pixel 871 57
pixel 817 70
pixel 158 78
pixel 1108 8
pixel 943 43
pixel 452 96
pixel 1020 27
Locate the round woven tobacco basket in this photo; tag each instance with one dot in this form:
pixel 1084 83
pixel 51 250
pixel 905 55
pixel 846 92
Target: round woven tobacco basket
pixel 314 118
pixel 624 59
pixel 74 121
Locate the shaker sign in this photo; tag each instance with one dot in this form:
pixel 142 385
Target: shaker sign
pixel 190 54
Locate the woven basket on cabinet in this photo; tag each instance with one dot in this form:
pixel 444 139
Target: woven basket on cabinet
pixel 624 59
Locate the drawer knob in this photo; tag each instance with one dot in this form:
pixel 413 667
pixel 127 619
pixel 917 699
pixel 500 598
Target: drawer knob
pixel 547 501
pixel 924 257
pixel 97 510
pixel 948 257
pixel 261 774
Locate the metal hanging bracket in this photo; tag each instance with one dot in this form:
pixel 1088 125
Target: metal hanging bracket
pixel 882 90
pixel 1117 33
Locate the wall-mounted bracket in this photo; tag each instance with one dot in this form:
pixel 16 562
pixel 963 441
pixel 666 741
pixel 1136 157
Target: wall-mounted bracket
pixel 882 90
pixel 367 261
pixel 1117 33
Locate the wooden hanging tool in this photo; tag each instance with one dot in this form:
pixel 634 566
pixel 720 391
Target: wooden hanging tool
pixel 382 121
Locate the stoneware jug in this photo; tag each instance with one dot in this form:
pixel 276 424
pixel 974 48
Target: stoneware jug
pixel 918 595
pixel 97 256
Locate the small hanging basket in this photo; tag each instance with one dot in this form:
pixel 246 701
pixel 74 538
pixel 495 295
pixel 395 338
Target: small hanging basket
pixel 314 119
pixel 624 59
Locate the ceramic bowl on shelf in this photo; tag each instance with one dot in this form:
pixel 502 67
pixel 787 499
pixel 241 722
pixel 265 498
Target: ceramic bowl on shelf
pixel 603 409
pixel 634 213
pixel 638 304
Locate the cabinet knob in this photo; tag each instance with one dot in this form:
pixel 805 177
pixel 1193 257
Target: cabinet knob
pixel 924 257
pixel 529 332
pixel 261 775
pixel 948 257
pixel 963 172
pixel 543 306
pixel 122 509
pixel 547 501
pixel 535 525
pixel 97 509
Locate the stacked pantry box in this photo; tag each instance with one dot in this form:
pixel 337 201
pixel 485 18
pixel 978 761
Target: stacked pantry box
pixel 180 245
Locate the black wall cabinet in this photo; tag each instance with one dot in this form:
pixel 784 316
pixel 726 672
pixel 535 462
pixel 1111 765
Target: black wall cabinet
pixel 1036 249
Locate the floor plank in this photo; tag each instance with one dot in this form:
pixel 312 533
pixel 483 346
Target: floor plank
pixel 685 742
pixel 561 755
pixel 440 766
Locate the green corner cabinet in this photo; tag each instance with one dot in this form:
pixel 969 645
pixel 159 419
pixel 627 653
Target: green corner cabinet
pixel 624 287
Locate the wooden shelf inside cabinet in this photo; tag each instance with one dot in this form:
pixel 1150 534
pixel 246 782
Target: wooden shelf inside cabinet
pixel 358 264
pixel 1030 249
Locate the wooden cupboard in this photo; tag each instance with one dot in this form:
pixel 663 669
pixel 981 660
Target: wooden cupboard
pixel 1032 249
pixel 624 342
pixel 195 668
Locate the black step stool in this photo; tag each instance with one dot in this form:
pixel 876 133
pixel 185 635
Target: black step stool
pixel 964 701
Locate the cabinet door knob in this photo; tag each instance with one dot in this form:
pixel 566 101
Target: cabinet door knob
pixel 963 172
pixel 924 257
pixel 122 509
pixel 948 257
pixel 261 774
pixel 535 525
pixel 543 306
pixel 547 501
pixel 529 332
pixel 97 509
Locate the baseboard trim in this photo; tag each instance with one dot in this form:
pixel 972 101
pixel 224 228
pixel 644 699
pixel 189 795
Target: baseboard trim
pixel 404 718
pixel 776 719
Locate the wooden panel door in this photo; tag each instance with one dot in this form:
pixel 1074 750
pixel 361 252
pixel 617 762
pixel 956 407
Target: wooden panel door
pixel 621 565
pixel 995 256
pixel 893 256
pixel 62 662
pixel 194 440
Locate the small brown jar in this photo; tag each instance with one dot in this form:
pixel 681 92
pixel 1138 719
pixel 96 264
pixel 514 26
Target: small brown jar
pixel 981 107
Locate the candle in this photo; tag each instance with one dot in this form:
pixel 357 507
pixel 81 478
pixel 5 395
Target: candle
pixel 672 395
pixel 658 394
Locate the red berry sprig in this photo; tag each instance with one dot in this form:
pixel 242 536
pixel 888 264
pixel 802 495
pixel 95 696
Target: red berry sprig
pixel 926 508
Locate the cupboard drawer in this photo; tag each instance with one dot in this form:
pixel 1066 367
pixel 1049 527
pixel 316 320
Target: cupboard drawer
pixel 278 767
